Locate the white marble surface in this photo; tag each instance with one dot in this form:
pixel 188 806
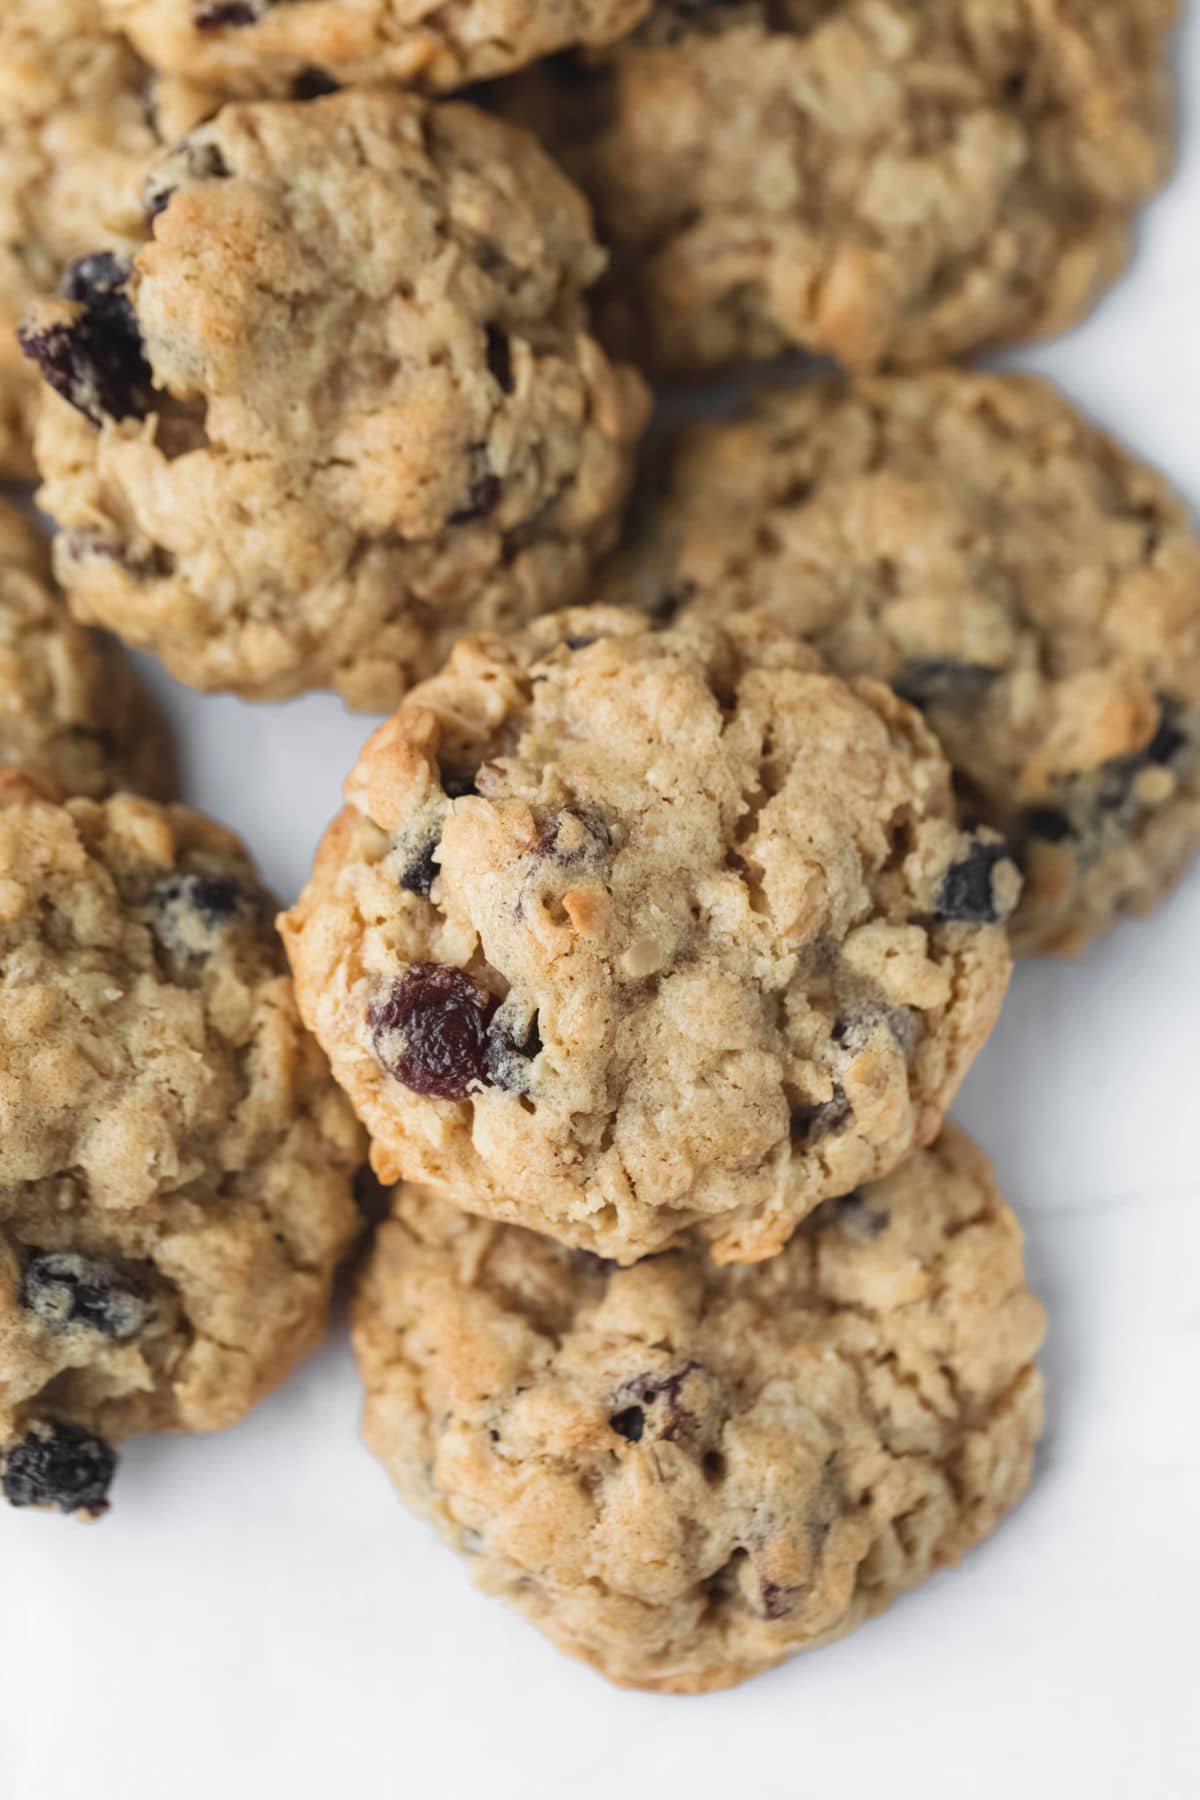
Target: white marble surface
pixel 258 1616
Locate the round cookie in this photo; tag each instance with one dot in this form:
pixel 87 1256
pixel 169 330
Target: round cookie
pixel 81 119
pixel 72 712
pixel 882 181
pixel 685 1473
pixel 268 46
pixel 1009 569
pixel 343 405
pixel 626 930
pixel 175 1160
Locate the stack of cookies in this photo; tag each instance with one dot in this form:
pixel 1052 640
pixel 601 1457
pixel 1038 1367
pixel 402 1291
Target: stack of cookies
pixel 670 906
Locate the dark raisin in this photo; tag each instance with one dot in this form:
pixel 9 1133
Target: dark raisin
pixel 64 1289
pixel 431 1032
pixel 62 1466
pixel 966 894
pixel 629 1423
pixel 1049 824
pixel 572 836
pixel 1115 783
pixel 499 359
pixel 314 84
pixel 96 361
pixel 941 681
pixel 813 1120
pixel 215 15
pixel 580 643
pixel 421 872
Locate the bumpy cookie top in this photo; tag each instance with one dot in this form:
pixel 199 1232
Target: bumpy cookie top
pixel 342 403
pixel 71 708
pixel 881 180
pixel 1010 570
pixel 268 46
pixel 81 118
pixel 685 1473
pixel 175 1161
pixel 625 930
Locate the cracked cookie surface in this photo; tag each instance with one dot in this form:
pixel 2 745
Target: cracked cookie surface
pixel 81 120
pixel 342 405
pixel 685 1473
pixel 624 930
pixel 268 46
pixel 882 181
pixel 1010 569
pixel 175 1160
pixel 71 708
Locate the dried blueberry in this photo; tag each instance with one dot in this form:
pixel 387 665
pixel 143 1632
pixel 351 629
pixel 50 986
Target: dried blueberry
pixel 942 681
pixel 629 1423
pixel 96 361
pixel 457 785
pixel 509 1052
pixel 1049 824
pixel 431 1031
pixel 62 1466
pixel 499 359
pixel 64 1289
pixel 215 15
pixel 813 1120
pixel 314 84
pixel 852 1214
pixel 966 895
pixel 215 898
pixel 421 872
pixel 484 491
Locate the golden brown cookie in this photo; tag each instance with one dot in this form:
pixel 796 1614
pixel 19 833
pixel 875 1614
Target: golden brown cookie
pixel 343 403
pixel 283 46
pixel 1009 569
pixel 685 1473
pixel 81 119
pixel 626 930
pixel 175 1160
pixel 883 181
pixel 71 709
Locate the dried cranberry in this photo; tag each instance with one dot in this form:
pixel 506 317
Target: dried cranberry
pixel 431 1031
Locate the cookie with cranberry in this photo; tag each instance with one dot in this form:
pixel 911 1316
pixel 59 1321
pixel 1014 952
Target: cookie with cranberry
pixel 881 181
pixel 175 1160
pixel 287 46
pixel 1009 569
pixel 685 1473
pixel 81 119
pixel 71 709
pixel 341 405
pixel 625 930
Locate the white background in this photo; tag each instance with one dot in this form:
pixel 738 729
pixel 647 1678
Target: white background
pixel 258 1616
